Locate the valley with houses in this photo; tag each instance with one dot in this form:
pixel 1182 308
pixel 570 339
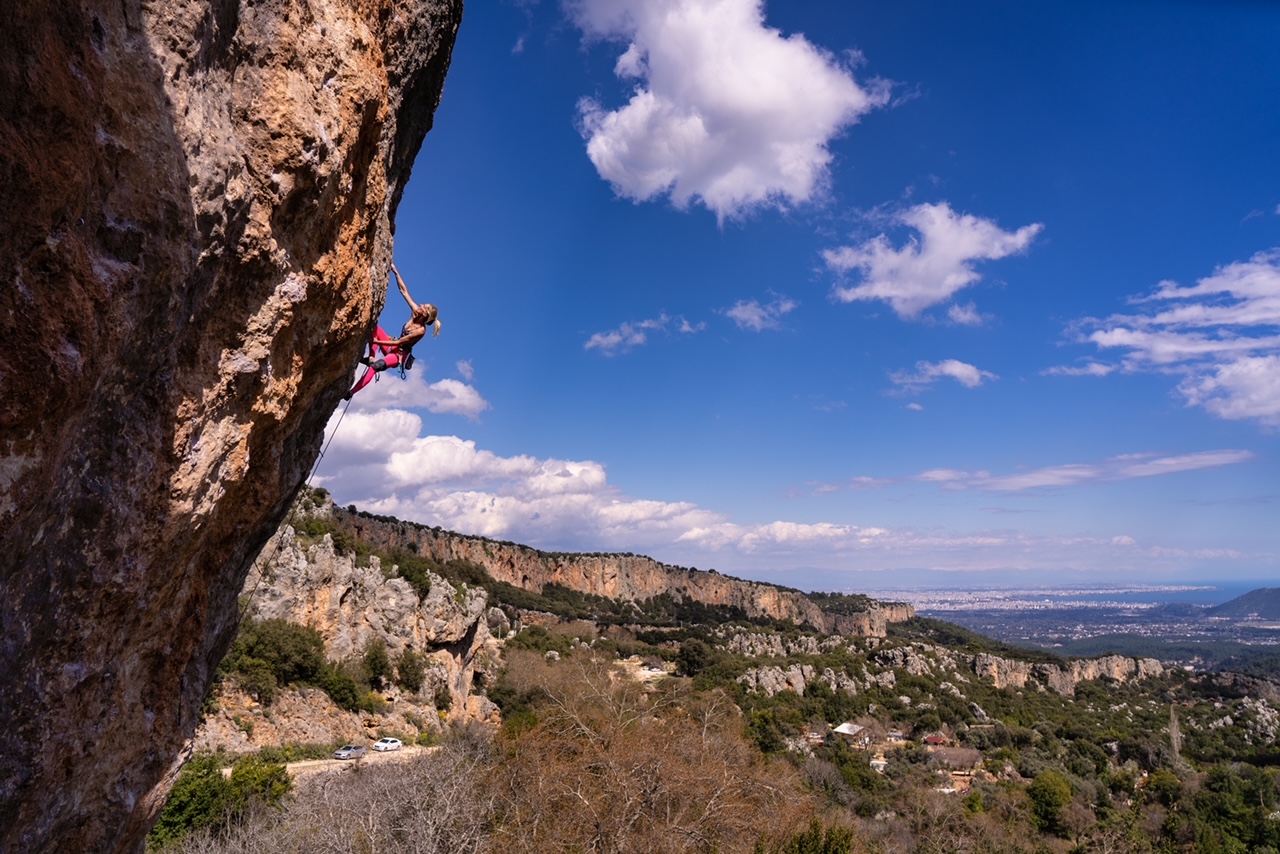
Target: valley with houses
pixel 608 702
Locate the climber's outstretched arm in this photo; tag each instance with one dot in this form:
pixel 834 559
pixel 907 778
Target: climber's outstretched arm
pixel 404 290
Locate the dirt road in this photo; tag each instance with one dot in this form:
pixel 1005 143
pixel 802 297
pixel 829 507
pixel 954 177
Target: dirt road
pixel 308 767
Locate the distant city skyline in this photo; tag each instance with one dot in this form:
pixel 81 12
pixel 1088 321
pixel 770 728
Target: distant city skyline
pixel 818 293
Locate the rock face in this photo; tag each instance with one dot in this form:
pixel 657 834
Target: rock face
pixel 621 576
pixel 196 208
pixel 920 659
pixel 1063 678
pixel 350 606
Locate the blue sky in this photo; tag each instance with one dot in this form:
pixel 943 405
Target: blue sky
pixel 825 293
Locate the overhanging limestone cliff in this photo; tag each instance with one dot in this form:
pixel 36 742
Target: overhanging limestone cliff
pixel 196 208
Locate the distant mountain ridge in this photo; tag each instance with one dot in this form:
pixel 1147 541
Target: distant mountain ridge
pixel 1263 603
pixel 619 576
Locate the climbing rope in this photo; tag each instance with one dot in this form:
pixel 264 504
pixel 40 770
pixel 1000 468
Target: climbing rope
pixel 316 467
pixel 306 481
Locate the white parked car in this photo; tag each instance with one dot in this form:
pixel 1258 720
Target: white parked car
pixel 387 744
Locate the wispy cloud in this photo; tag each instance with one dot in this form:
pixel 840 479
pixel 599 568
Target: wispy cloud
pixel 756 316
pixel 927 373
pixel 1118 468
pixel 1221 336
pixel 1089 369
pixel 726 110
pixel 930 268
pixel 1125 467
pixel 966 315
pixel 627 336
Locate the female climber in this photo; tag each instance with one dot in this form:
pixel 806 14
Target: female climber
pixel 386 352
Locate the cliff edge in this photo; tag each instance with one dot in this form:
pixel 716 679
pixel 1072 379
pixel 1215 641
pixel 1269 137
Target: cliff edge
pixel 196 212
pixel 625 577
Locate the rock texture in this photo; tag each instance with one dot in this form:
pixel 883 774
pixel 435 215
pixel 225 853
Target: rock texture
pixel 196 207
pixel 621 576
pixel 350 606
pixel 921 659
pixel 1063 678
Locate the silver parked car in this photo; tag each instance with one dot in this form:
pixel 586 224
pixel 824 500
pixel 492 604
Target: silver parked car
pixel 349 751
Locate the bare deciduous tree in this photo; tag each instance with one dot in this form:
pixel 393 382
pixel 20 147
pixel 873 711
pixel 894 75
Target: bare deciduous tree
pixel 611 767
pixel 434 804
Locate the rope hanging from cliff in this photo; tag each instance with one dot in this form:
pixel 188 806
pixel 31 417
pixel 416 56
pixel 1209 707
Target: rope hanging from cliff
pixel 306 481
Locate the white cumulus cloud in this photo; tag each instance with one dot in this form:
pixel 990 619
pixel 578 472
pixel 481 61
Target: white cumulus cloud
pixel 965 315
pixel 416 391
pixel 380 461
pixel 930 267
pixel 725 109
pixel 1088 369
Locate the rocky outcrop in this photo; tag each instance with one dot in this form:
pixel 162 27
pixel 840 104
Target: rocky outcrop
pixel 351 605
pixel 774 680
pixel 303 716
pixel 622 576
pixel 763 645
pixel 770 680
pixel 873 623
pixel 1062 678
pixel 926 660
pixel 907 658
pixel 196 207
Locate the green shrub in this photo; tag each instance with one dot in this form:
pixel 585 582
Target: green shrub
pixel 377 663
pixel 410 671
pixel 341 688
pixel 270 653
pixel 202 797
pixel 694 657
pixel 257 678
pixel 815 840
pixel 1049 793
pixel 443 699
pixel 538 639
pixel 286 753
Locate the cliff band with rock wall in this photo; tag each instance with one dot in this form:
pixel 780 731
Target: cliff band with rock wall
pixel 621 576
pixel 351 604
pixel 196 208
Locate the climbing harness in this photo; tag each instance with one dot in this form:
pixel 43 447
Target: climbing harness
pixel 404 362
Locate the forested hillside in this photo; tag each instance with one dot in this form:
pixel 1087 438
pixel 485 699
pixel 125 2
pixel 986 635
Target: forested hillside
pixel 1260 604
pixel 651 727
